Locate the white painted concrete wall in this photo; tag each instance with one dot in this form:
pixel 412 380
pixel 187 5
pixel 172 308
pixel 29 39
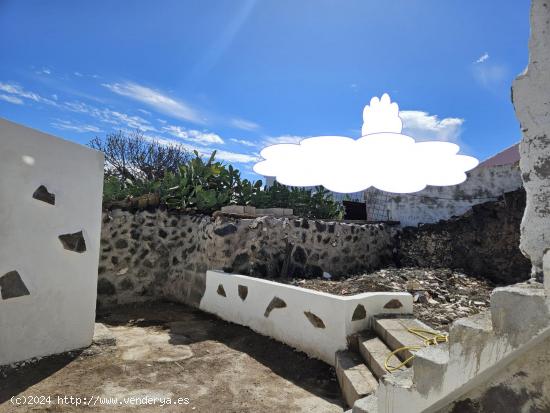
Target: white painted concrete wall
pixel 442 202
pixel 289 325
pixel 59 313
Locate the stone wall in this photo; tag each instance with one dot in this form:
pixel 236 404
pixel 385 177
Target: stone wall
pixel 483 242
pixel 149 255
pixel 443 202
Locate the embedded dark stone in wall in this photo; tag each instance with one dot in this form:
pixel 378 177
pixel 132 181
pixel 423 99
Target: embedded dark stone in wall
pixel 395 303
pixel 221 291
pixel 276 302
pixel 313 271
pixel 240 262
pixel 313 319
pixel 43 195
pixel 73 242
pixel 105 287
pixel 225 230
pixel 121 243
pixel 359 313
pixel 320 226
pixel 299 255
pixel 126 284
pixel 243 292
pixel 11 285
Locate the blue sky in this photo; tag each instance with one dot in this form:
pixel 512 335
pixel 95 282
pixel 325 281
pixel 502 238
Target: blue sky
pixel 236 75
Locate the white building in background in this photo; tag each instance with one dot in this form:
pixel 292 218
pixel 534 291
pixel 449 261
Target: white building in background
pixel 487 182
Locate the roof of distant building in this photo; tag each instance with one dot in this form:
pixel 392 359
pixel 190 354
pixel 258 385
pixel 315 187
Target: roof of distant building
pixel 506 157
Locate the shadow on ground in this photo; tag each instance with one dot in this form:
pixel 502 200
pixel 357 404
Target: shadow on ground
pixel 169 351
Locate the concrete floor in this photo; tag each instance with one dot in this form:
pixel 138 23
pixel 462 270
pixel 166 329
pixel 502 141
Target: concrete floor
pixel 173 351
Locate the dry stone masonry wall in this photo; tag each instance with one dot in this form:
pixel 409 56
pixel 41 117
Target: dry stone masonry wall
pixel 149 255
pixel 483 242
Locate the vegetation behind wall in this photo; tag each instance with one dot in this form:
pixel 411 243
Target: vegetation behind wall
pixel 140 173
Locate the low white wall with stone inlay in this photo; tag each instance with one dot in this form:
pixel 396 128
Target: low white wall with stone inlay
pixel 50 224
pixel 314 322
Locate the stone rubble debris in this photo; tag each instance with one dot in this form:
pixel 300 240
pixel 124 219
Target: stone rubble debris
pixel 440 295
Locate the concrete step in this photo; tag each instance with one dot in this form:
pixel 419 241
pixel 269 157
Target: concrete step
pixel 476 328
pixel 374 351
pixel 429 366
pixel 367 404
pixel 393 331
pixel 519 311
pixel 355 379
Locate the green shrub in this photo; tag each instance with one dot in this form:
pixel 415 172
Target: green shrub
pixel 205 186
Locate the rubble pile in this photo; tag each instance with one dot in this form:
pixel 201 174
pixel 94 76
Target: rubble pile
pixel 440 295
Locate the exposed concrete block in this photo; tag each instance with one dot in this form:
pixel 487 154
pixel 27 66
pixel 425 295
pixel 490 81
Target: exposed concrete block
pixel 367 404
pixel 394 332
pixel 375 352
pixel 233 209
pixel 355 379
pixel 471 334
pixel 250 210
pixel 103 336
pixel 278 212
pixel 429 366
pixel 546 270
pixel 288 211
pixel 519 311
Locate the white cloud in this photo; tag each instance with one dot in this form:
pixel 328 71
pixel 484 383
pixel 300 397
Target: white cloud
pixel 205 138
pixel 422 126
pixel 482 58
pixel 68 125
pixel 78 74
pixel 490 75
pixel 244 142
pixel 110 116
pixel 157 100
pixel 244 124
pixel 11 99
pixel 205 151
pixel 15 89
pixel 274 140
pixel 44 71
pixel 236 157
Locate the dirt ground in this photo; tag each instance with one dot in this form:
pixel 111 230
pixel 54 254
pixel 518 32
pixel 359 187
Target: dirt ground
pixel 172 352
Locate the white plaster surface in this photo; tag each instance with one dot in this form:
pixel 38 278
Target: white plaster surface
pixel 59 313
pixel 442 202
pixel 531 95
pixel 289 325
